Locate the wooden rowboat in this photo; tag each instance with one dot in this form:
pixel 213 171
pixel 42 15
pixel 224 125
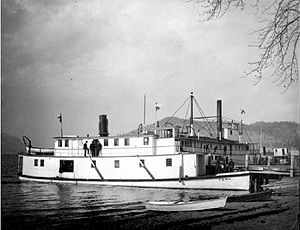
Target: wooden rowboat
pixel 175 206
pixel 250 197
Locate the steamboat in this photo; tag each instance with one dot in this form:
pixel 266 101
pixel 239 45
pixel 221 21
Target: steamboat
pixel 165 157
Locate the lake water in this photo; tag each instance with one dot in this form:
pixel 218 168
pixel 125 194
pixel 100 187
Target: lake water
pixel 33 205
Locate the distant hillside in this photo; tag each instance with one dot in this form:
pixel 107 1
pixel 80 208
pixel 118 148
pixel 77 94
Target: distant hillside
pixel 273 135
pixel 10 144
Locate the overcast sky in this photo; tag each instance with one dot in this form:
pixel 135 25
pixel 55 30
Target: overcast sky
pixel 86 58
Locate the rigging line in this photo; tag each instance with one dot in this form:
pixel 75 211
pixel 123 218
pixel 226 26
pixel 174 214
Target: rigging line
pixel 202 113
pixel 205 121
pixel 247 135
pixel 177 110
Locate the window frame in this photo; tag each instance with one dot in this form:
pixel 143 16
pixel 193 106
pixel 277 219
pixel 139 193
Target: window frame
pixel 169 162
pixel 59 144
pixel 64 168
pixel 126 141
pixel 42 163
pixel 95 163
pixel 105 142
pixel 140 164
pixel 146 140
pixel 116 141
pixel 116 164
pixel 36 162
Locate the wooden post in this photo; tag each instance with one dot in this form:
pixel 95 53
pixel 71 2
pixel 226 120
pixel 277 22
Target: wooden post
pixel 246 161
pixel 255 185
pixel 292 166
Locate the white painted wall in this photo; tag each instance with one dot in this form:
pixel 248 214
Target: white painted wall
pixel 129 167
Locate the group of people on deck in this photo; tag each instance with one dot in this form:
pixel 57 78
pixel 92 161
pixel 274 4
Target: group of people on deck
pixel 224 165
pixel 221 165
pixel 95 148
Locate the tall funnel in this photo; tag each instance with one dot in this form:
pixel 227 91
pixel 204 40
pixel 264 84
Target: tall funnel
pixel 103 126
pixel 219 120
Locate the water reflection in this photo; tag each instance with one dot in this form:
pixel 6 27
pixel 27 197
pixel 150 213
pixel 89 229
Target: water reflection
pixel 33 204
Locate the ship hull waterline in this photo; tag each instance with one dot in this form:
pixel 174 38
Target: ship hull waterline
pixel 228 181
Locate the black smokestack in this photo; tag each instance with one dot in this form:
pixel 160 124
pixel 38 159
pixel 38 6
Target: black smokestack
pixel 103 126
pixel 219 120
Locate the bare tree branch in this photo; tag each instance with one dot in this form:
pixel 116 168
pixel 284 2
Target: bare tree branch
pixel 277 39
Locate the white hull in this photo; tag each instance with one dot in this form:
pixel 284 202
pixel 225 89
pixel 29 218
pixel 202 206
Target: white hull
pixel 228 181
pixel 186 206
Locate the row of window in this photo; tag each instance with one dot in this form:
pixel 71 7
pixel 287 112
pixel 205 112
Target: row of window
pixel 68 165
pixel 105 142
pixel 213 146
pixel 36 163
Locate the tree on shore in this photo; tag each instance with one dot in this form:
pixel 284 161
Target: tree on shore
pixel 277 39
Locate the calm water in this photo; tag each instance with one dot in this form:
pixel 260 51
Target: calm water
pixel 35 205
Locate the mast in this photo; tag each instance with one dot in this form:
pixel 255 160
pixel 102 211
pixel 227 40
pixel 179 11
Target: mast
pixel 192 116
pixel 144 109
pixel 61 124
pixel 219 120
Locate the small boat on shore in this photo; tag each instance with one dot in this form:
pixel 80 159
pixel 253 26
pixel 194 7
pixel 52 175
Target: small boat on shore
pixel 250 197
pixel 176 206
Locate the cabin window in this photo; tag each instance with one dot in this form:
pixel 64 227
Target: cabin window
pixel 66 143
pixel 105 142
pixel 146 140
pixel 166 133
pixel 117 164
pixel 36 162
pixel 169 133
pixel 42 163
pixel 94 163
pixel 116 141
pixel 66 166
pixel 169 162
pixel 126 141
pixel 59 143
pixel 142 161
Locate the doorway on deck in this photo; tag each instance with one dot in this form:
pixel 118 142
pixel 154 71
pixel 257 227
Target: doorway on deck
pixel 200 165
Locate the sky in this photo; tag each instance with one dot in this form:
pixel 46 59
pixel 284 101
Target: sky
pixel 87 58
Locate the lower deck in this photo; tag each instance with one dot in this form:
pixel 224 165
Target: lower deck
pixel 182 171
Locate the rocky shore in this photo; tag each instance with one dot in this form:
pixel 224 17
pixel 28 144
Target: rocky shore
pixel 281 212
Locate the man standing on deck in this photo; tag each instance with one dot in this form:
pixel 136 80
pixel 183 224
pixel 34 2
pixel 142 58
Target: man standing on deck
pixel 231 165
pixel 86 149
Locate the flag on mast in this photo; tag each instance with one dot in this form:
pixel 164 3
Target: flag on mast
pixel 157 106
pixel 60 118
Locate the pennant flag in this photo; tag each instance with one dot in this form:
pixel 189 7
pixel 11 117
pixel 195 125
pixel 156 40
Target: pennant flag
pixel 60 118
pixel 243 111
pixel 157 106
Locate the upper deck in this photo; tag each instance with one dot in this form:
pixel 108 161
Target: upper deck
pixel 163 141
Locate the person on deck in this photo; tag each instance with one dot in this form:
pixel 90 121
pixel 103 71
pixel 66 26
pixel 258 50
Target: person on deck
pixel 92 148
pixel 98 147
pixel 86 149
pixel 231 165
pixel 218 165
